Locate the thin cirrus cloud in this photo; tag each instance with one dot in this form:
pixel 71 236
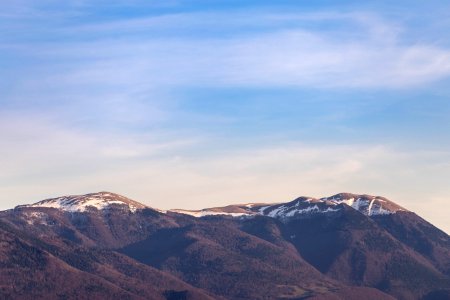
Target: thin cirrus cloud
pixel 374 56
pixel 129 78
pixel 40 146
pixel 92 68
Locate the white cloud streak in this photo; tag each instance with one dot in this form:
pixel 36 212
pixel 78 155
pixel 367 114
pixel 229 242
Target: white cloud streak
pixel 373 56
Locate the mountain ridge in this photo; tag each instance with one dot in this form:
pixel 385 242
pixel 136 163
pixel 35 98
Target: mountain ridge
pixel 346 246
pixel 366 204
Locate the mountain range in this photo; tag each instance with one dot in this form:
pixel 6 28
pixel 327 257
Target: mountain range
pixel 106 246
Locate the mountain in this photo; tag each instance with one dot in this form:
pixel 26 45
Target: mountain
pixel 106 246
pixel 366 204
pixel 46 269
pixel 96 201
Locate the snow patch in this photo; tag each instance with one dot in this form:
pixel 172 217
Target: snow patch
pixel 262 209
pixel 203 213
pixel 286 211
pixel 367 206
pixel 35 217
pixel 99 201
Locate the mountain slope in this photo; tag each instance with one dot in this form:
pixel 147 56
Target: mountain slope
pixel 54 267
pixel 215 255
pixel 353 249
pixel 418 234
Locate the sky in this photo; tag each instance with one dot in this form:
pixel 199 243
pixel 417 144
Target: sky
pixel 193 104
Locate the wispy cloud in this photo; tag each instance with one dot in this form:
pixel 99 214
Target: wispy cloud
pixel 372 54
pixel 36 146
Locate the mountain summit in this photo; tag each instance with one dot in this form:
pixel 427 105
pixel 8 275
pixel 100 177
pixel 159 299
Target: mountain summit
pixel 81 203
pixel 366 204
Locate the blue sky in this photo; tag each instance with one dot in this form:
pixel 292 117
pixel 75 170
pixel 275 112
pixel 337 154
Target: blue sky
pixel 192 104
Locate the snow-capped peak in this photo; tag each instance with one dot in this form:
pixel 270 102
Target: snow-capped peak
pixel 366 204
pixel 82 203
pixel 303 206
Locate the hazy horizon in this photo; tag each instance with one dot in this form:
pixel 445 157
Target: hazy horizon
pixel 184 104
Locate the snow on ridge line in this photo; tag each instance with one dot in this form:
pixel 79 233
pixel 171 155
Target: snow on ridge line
pixel 82 203
pixel 276 213
pixel 310 209
pixel 371 206
pixel 203 213
pixel 367 205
